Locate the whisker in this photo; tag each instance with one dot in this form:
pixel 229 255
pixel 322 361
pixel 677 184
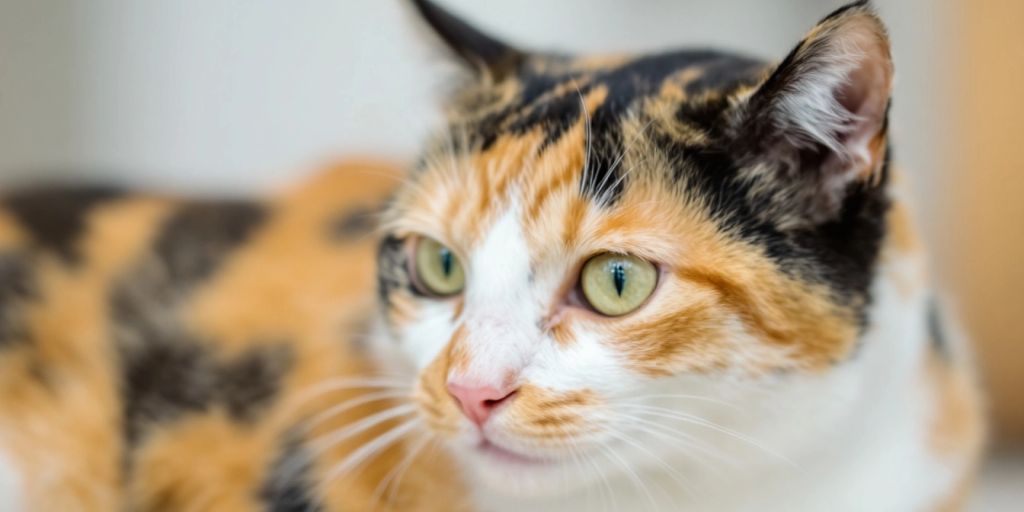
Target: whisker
pixel 676 436
pixel 608 451
pixel 578 466
pixel 684 397
pixel 696 420
pixel 370 449
pixel 327 441
pixel 399 469
pixel 607 495
pixel 618 161
pixel 306 395
pixel 587 133
pixel 346 405
pixel 678 478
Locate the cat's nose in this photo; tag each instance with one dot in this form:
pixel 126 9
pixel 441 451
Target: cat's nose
pixel 478 402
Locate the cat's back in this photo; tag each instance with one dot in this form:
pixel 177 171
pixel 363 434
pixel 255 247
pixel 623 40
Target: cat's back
pixel 148 344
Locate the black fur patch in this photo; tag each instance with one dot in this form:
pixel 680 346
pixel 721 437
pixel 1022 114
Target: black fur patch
pixel 199 236
pixel 627 85
pixel 167 371
pixel 55 218
pixel 166 380
pixel 247 384
pixel 17 285
pixel 163 380
pixel 392 268
pixel 840 253
pixel 640 79
pixel 287 487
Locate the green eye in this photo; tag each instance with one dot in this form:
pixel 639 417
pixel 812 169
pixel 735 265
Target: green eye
pixel 438 269
pixel 616 284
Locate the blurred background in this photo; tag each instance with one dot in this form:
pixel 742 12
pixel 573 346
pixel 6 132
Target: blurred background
pixel 242 96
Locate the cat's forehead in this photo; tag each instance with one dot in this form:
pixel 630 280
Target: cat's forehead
pixel 547 91
pixel 570 135
pixel 564 137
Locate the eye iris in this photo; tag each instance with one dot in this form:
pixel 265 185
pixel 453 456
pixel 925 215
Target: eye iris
pixel 616 284
pixel 437 269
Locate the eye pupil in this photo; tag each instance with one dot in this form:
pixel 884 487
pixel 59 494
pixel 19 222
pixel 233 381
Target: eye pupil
pixel 446 261
pixel 619 277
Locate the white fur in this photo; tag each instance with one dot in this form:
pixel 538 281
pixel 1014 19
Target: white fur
pixel 500 309
pixel 10 484
pixel 849 438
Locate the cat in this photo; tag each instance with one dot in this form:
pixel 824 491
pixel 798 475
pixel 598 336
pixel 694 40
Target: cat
pixel 675 281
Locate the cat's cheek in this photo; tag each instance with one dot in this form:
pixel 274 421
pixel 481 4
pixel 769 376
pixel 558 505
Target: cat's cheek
pixel 423 339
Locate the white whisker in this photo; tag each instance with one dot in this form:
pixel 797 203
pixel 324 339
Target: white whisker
pixel 699 398
pixel 696 420
pixel 637 481
pixel 306 395
pixel 327 441
pixel 369 450
pixel 397 471
pixel 681 480
pixel 346 405
pixel 618 161
pixel 587 133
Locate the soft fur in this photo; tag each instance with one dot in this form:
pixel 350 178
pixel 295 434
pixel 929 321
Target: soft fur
pixel 158 354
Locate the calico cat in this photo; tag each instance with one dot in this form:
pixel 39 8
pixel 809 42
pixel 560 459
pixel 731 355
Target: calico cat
pixel 677 281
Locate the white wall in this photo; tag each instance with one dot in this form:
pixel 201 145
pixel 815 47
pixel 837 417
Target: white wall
pixel 239 95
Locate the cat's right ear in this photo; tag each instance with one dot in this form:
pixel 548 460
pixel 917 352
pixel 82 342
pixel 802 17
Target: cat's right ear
pixel 817 125
pixel 484 54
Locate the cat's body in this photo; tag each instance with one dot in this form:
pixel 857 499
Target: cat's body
pixel 153 348
pixel 772 342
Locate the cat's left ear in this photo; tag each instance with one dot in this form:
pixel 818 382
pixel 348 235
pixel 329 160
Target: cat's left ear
pixel 484 54
pixel 820 118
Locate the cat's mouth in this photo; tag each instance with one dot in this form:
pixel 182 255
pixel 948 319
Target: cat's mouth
pixel 492 451
pixel 505 468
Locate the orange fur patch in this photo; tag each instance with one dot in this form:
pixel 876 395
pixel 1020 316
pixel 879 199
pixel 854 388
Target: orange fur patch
pixel 540 414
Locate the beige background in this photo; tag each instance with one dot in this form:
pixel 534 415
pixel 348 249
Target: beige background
pixel 985 233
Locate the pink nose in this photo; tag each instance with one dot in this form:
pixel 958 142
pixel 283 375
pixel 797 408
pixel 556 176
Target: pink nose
pixel 478 402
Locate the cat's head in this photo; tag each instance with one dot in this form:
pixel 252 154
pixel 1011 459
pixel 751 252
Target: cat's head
pixel 600 259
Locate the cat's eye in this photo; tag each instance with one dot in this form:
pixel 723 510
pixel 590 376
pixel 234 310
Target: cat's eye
pixel 616 284
pixel 438 270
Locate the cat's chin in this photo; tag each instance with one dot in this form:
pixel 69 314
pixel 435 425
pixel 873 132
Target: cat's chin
pixel 507 473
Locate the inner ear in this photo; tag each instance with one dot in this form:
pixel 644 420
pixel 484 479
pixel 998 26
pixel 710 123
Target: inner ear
pixel 864 99
pixel 818 123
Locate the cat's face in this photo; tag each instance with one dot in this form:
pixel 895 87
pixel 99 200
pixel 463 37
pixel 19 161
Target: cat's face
pixel 601 260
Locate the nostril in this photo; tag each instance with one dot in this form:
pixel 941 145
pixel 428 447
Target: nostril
pixel 491 403
pixel 478 402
